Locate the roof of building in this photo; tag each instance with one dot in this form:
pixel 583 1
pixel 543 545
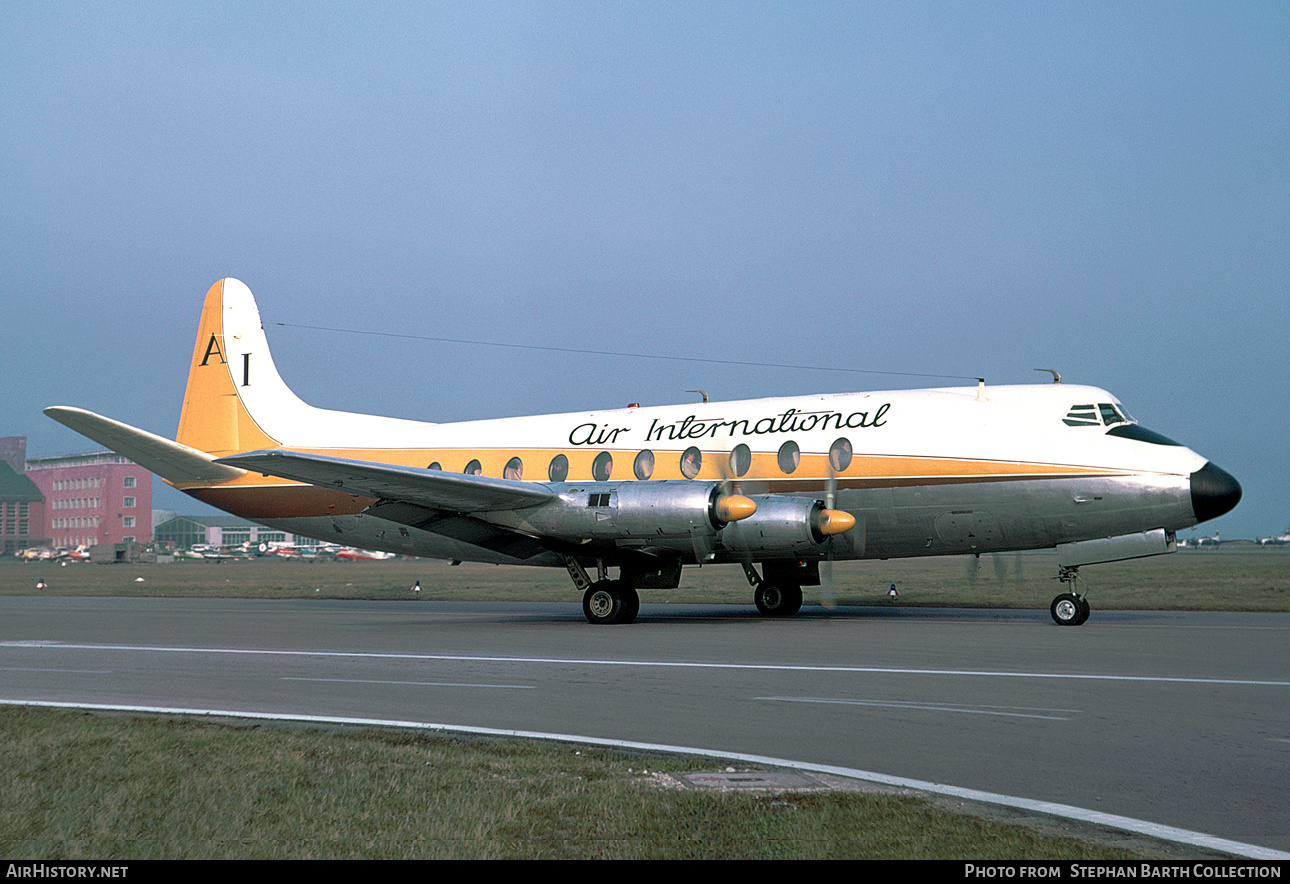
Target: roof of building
pixel 16 486
pixel 86 459
pixel 211 522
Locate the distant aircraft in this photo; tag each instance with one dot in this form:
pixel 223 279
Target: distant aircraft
pixel 782 484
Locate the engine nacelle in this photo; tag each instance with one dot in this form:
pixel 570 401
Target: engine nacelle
pixel 781 527
pixel 672 515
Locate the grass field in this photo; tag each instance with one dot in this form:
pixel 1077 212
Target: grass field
pixel 1221 580
pixel 78 786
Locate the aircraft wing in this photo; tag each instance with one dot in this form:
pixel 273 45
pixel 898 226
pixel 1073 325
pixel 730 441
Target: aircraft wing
pixel 433 489
pixel 169 460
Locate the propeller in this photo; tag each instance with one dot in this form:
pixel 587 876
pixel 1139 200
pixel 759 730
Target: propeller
pixel 828 594
pixel 728 506
pixel 733 507
pixel 832 522
pixel 1000 569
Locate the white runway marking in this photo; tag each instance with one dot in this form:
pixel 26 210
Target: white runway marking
pixel 662 664
pixel 889 704
pixel 1128 824
pixel 430 684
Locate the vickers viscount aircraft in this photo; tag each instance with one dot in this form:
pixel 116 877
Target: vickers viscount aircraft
pixel 777 484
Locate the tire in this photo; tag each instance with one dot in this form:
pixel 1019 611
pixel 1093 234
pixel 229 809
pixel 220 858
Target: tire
pixel 631 603
pixel 1068 610
pixel 1084 611
pixel 603 603
pixel 774 600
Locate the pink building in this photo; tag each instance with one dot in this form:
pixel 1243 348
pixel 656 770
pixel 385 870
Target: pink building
pixel 93 498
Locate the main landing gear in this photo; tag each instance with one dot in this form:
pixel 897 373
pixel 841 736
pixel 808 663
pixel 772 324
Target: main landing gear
pixel 778 595
pixel 1069 608
pixel 774 600
pixel 606 601
pixel 610 601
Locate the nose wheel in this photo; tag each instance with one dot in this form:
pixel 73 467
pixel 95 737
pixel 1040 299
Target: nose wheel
pixel 1069 608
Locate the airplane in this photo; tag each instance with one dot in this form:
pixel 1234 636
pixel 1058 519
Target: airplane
pixel 349 554
pixel 784 484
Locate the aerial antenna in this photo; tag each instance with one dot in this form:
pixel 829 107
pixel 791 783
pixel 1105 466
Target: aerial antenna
pixel 356 331
pixel 701 393
pixel 1057 378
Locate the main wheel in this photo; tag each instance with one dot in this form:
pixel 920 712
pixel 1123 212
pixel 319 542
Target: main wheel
pixel 1069 610
pixel 1083 610
pixel 631 602
pixel 610 601
pixel 774 600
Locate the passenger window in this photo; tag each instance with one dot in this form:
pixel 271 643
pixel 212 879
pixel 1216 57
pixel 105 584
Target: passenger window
pixel 691 462
pixel 474 469
pixel 434 466
pixel 643 468
pixel 514 469
pixel 558 471
pixel 840 455
pixel 741 460
pixel 602 467
pixel 789 457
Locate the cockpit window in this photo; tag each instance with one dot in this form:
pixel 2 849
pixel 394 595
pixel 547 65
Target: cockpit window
pixel 1109 415
pixel 1104 413
pixel 1081 416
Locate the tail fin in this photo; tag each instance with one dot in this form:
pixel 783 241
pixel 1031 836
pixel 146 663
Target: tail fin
pixel 232 377
pixel 236 401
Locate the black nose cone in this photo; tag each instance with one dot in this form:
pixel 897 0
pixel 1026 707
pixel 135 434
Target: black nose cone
pixel 1214 491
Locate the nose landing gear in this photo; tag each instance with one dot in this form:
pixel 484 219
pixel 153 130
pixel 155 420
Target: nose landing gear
pixel 1069 608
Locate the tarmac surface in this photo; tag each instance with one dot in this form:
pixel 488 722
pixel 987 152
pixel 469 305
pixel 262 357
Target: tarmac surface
pixel 1177 719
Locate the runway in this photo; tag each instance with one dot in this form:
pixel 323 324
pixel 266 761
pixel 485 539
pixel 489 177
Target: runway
pixel 1174 718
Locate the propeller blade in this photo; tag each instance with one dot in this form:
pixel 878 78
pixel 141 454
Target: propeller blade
pixel 830 524
pixel 828 598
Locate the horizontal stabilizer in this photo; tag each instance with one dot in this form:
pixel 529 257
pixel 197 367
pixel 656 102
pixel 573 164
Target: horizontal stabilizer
pixel 435 489
pixel 171 461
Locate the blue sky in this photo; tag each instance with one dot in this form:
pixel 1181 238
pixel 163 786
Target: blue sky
pixel 957 189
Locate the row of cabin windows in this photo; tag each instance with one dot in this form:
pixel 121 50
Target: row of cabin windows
pixel 602 468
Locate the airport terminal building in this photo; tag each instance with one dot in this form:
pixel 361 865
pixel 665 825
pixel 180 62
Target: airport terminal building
pixel 102 498
pixel 184 532
pixel 70 500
